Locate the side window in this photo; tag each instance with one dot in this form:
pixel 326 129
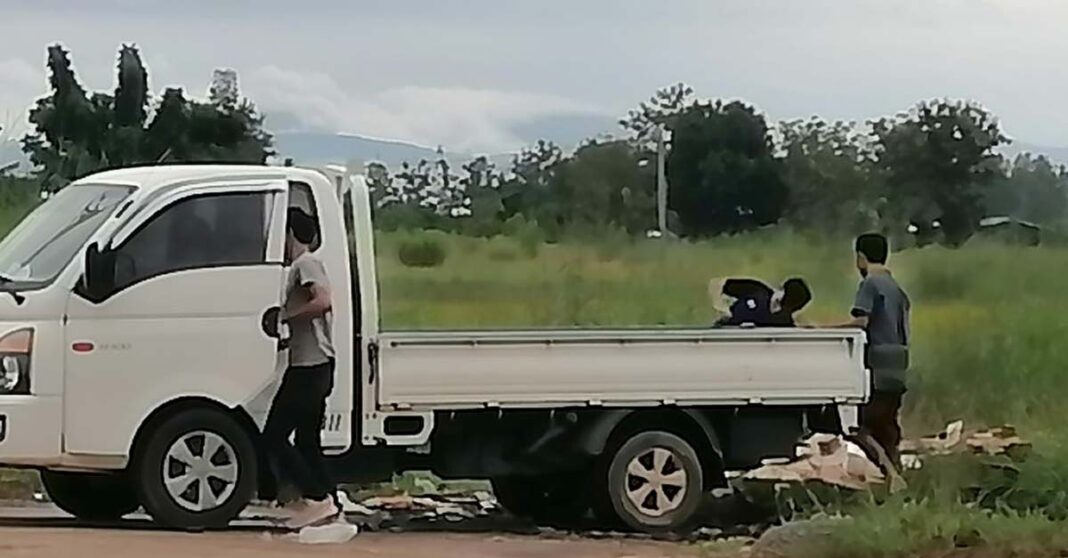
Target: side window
pixel 301 197
pixel 197 232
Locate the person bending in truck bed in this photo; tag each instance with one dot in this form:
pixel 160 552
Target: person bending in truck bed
pixel 756 304
pixel 300 404
pixel 881 308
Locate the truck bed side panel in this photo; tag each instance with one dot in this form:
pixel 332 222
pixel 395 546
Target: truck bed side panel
pixel 620 368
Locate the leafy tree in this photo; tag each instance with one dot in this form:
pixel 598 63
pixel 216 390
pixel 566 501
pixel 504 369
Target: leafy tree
pixel 76 133
pixel 401 197
pixel 603 186
pixel 61 143
pixel 379 182
pixel 665 104
pixel 1034 190
pixel 482 183
pixel 527 191
pixel 448 195
pixel 723 176
pixel 130 109
pixel 939 159
pixel 828 169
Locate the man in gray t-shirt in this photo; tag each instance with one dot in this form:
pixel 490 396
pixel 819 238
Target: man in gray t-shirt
pixel 881 308
pixel 300 404
pixel 310 342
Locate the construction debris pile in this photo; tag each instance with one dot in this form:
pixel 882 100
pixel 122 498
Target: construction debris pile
pixel 1002 440
pixel 836 461
pixel 385 512
pixel 834 464
pixel 823 458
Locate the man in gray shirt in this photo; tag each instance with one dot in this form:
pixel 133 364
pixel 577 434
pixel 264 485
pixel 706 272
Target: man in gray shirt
pixel 881 308
pixel 300 404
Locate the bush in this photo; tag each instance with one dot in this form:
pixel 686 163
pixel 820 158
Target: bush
pixel 527 233
pixel 425 252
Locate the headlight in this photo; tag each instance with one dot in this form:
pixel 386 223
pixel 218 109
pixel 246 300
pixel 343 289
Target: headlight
pixel 10 373
pixel 16 348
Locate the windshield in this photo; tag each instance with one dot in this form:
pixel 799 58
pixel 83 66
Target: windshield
pixel 40 247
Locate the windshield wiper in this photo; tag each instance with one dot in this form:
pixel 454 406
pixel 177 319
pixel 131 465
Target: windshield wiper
pixel 15 295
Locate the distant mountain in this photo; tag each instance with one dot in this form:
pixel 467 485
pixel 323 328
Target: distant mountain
pixel 310 148
pixel 316 148
pixel 567 130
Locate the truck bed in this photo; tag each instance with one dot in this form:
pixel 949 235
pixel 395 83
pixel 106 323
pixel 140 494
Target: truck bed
pixel 619 367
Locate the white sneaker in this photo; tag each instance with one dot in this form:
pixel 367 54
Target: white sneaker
pixel 294 507
pixel 312 513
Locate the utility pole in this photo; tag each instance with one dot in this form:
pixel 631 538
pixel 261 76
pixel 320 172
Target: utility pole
pixel 661 182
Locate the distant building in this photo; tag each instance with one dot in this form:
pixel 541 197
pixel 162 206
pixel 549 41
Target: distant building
pixel 1011 230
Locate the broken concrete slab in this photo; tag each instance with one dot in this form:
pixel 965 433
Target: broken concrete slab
pixel 823 458
pixel 1000 440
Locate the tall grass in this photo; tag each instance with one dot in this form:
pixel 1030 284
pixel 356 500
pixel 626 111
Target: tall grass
pixel 989 321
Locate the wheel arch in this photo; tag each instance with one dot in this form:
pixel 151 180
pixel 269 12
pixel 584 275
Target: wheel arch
pixel 610 429
pixel 177 406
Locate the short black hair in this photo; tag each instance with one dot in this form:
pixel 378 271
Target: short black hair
pixel 303 226
pixel 873 246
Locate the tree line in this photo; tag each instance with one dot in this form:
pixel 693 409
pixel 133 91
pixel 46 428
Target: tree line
pixel 936 168
pixel 75 133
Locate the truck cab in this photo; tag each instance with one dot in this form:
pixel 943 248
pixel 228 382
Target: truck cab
pixel 139 332
pixel 141 345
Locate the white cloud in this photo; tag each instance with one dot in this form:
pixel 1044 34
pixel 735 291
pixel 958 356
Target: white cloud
pixel 463 119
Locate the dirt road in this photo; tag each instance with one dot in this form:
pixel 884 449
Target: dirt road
pixel 45 534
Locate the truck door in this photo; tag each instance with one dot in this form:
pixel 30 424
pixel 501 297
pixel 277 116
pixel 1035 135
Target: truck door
pixel 320 198
pixel 191 312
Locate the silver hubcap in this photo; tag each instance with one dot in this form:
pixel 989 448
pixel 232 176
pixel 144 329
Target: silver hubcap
pixel 200 471
pixel 656 482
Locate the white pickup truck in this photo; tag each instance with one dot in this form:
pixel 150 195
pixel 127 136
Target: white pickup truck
pixel 140 347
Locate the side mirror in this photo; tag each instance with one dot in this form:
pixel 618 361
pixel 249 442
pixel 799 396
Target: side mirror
pixel 99 275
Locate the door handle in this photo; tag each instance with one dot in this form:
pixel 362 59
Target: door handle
pixel 271 322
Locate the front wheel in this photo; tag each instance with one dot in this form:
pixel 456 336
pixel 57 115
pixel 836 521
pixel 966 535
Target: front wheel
pixel 651 482
pixel 198 470
pixel 91 496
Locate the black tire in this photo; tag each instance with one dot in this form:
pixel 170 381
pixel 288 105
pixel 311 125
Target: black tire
pixel 552 500
pixel 91 496
pixel 672 505
pixel 196 430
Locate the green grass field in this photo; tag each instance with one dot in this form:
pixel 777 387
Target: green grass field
pixel 989 320
pixel 989 327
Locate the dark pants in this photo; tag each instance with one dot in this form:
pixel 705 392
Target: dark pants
pixel 879 419
pixel 300 406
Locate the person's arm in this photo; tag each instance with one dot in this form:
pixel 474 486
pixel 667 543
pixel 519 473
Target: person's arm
pixel 317 304
pixel 862 308
pixel 858 322
pixel 312 276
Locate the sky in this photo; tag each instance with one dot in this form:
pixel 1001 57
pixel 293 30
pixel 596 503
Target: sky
pixel 469 74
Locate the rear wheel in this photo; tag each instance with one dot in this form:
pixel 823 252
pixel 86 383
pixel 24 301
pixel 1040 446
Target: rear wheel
pixel 91 496
pixel 197 470
pixel 651 482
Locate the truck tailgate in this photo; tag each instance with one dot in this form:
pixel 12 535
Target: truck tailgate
pixel 457 370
